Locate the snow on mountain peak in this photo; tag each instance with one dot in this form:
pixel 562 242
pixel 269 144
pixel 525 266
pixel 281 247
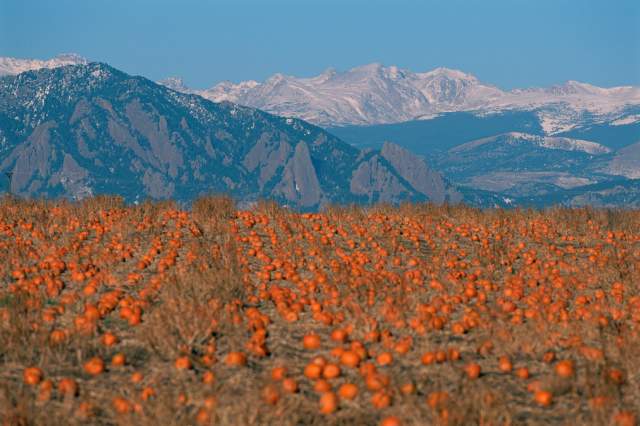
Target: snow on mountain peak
pixel 573 87
pixel 375 94
pixel 371 93
pixel 395 72
pixel 326 75
pixel 175 83
pixel 12 66
pixel 73 58
pixel 449 73
pixel 276 79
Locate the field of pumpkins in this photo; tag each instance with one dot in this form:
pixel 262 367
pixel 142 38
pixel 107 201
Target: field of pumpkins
pixel 411 315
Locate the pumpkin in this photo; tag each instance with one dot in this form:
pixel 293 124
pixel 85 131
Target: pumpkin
pixel 328 403
pixel 94 366
pixel 32 376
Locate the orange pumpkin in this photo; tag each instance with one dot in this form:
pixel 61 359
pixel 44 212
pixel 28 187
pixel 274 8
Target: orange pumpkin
pixel 348 391
pixel 68 386
pixel 473 370
pixel 543 398
pixel 94 366
pixel 32 376
pixel 183 363
pixel 311 341
pixel 236 359
pixel 328 403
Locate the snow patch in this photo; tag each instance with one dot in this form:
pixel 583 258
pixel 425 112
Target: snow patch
pixel 553 124
pixel 13 66
pixel 630 119
pixel 564 144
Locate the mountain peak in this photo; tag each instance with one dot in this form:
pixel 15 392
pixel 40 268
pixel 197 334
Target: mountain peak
pixel 331 71
pixel 377 94
pixel 573 87
pixel 71 58
pixel 325 76
pixel 374 68
pixel 175 83
pixel 276 80
pixel 277 77
pixel 12 66
pixel 449 73
pixel 367 94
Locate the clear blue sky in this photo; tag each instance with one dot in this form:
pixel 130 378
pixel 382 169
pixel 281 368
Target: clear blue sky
pixel 509 43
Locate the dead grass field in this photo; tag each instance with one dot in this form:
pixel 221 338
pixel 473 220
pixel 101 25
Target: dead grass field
pixel 414 315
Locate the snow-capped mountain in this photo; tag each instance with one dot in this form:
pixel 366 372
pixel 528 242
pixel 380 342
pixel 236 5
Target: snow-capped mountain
pixel 90 129
pixel 13 66
pixel 564 107
pixel 376 94
pixel 363 95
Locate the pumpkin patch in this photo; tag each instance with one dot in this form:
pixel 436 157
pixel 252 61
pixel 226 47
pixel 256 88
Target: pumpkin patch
pixel 115 314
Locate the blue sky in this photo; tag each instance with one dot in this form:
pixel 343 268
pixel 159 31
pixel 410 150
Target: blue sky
pixel 509 43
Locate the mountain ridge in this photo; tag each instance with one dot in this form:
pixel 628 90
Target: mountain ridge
pixel 80 130
pixel 375 94
pixel 486 162
pixel 13 66
pixel 378 94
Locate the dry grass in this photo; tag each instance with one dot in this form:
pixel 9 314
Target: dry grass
pixel 406 280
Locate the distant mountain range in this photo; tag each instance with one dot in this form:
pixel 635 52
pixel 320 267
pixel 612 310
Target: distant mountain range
pixel 510 155
pixel 62 131
pixel 79 130
pixel 375 94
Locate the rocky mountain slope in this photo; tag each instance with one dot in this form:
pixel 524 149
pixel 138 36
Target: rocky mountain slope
pixel 519 164
pixel 510 155
pixel 87 129
pixel 626 162
pixel 375 94
pixel 621 193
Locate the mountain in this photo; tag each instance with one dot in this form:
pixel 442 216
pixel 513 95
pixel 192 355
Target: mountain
pixel 621 193
pixel 509 156
pixel 363 95
pixel 415 171
pixel 12 66
pixel 515 139
pixel 375 94
pixel 626 162
pixel 78 130
pixel 519 164
pixel 441 133
pixel 177 84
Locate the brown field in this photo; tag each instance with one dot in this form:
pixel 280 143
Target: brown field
pixel 148 315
